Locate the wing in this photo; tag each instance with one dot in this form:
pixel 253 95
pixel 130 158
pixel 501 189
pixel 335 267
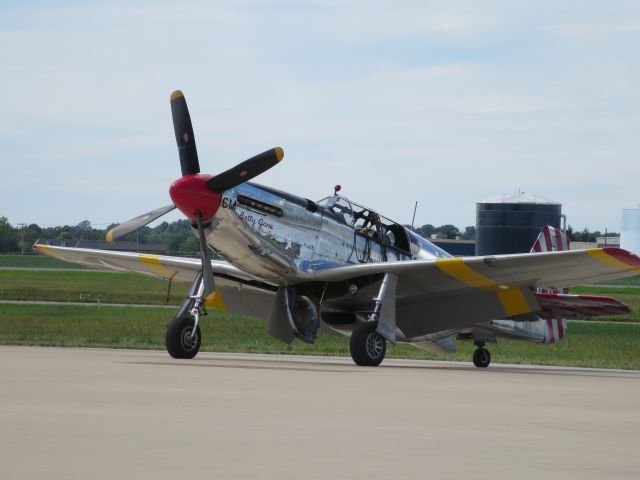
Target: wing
pixel 442 294
pixel 176 268
pixel 238 291
pixel 549 269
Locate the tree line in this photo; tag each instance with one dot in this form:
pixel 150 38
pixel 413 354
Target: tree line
pixel 178 238
pixel 175 236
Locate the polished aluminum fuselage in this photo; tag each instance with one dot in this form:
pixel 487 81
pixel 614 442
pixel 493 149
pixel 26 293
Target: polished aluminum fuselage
pixel 284 249
pixel 281 239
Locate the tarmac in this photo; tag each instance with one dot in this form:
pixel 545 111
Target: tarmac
pixel 104 414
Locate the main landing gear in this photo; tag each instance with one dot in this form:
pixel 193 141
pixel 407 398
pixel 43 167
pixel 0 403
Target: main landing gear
pixel 367 346
pixel 181 340
pixel 482 356
pixel 183 335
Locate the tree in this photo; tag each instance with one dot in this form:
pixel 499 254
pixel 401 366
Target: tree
pixel 448 231
pixel 8 236
pixel 585 235
pixel 570 233
pixel 469 233
pixel 426 230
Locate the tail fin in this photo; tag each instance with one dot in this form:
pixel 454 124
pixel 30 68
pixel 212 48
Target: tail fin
pixel 551 239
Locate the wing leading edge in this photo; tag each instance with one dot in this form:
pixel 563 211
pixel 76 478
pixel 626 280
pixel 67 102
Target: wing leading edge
pixel 162 266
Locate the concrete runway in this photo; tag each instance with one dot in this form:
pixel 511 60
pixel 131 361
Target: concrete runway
pixel 98 414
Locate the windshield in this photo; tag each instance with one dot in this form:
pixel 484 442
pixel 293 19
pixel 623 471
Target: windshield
pixel 340 206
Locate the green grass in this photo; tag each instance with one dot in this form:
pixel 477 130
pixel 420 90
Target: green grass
pixel 83 286
pixel 587 345
pixel 35 261
pixel 630 281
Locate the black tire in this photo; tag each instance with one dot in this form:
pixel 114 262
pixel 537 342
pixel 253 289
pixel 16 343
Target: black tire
pixel 368 347
pixel 178 338
pixel 481 358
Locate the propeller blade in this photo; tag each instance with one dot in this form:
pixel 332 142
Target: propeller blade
pixel 184 134
pixel 138 222
pixel 246 170
pixel 207 270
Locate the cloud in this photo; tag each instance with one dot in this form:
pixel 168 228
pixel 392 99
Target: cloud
pixel 445 104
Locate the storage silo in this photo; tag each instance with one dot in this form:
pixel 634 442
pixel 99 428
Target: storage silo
pixel 511 223
pixel 630 230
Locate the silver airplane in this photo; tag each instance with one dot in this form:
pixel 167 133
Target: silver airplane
pixel 334 265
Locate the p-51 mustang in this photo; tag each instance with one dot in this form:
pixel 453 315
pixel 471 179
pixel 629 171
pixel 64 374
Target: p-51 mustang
pixel 334 265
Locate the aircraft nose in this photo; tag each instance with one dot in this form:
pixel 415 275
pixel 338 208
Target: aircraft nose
pixel 191 195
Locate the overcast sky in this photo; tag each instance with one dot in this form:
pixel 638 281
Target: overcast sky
pixel 447 103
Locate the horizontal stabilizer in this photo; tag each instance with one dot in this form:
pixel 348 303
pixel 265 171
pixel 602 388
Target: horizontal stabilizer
pixel 555 305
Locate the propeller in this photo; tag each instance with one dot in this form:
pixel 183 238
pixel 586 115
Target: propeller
pixel 184 135
pixel 246 170
pixel 198 195
pixel 138 222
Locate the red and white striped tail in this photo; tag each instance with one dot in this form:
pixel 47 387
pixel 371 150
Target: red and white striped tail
pixel 556 329
pixel 551 239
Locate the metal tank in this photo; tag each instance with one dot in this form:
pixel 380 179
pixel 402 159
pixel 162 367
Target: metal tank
pixel 511 223
pixel 630 230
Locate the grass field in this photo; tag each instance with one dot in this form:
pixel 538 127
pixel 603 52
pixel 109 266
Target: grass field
pixel 35 261
pixel 587 344
pixel 86 286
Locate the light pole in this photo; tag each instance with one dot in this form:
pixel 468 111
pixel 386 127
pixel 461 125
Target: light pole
pixel 22 225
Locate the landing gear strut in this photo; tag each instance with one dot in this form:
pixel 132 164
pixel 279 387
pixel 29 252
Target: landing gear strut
pixel 367 346
pixel 183 335
pixel 481 357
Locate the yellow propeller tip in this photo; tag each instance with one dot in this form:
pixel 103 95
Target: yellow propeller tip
pixel 110 236
pixel 176 94
pixel 279 153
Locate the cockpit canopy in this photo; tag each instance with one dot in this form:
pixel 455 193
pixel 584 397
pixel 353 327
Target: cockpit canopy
pixel 369 223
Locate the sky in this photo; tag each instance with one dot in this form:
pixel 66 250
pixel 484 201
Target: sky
pixel 443 103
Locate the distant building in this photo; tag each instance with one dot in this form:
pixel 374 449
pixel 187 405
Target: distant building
pixel 582 245
pixel 457 248
pixel 630 231
pixel 608 241
pixel 511 223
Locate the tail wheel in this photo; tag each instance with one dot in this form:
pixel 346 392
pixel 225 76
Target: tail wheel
pixel 368 347
pixel 481 358
pixel 180 340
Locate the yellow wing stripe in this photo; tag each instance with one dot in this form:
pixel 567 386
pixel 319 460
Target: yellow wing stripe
pixel 513 301
pixel 511 298
pixel 603 257
pixel 156 265
pixel 459 270
pixel 214 300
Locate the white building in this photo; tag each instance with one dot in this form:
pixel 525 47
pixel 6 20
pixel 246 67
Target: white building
pixel 630 230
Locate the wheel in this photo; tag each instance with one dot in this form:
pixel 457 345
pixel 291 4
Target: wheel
pixel 481 358
pixel 178 339
pixel 367 346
